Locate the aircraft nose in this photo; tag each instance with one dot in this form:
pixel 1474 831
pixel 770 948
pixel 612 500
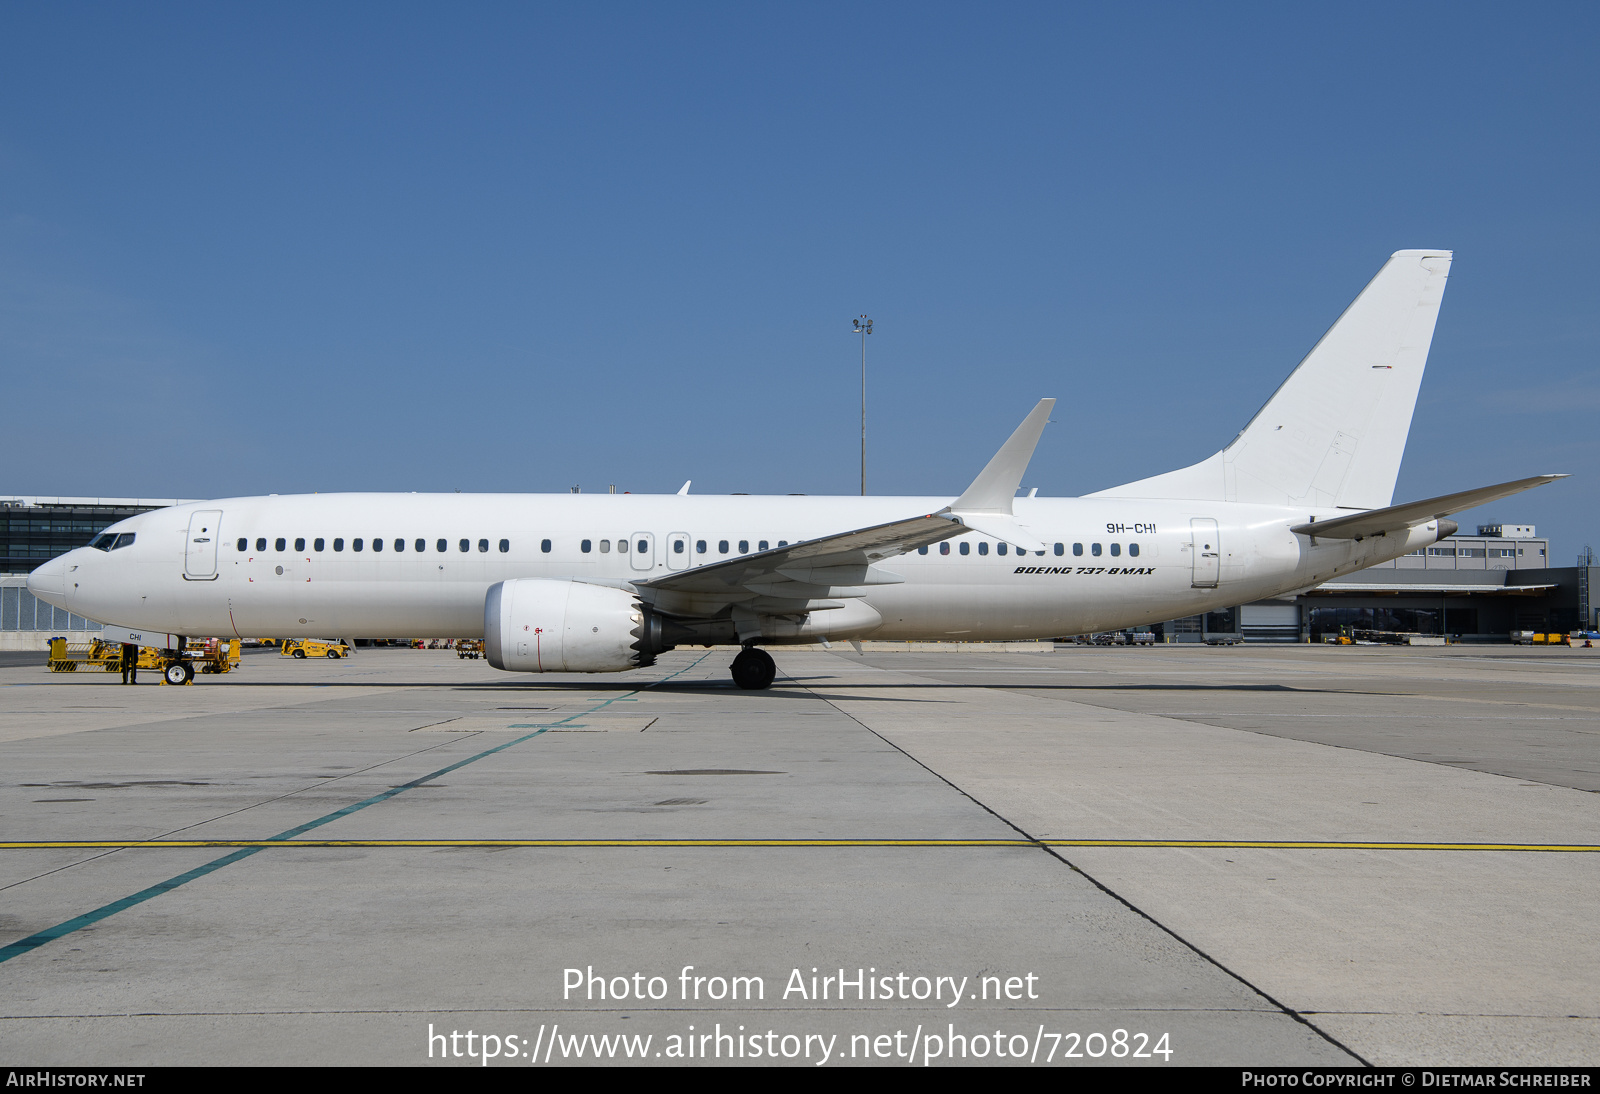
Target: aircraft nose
pixel 49 582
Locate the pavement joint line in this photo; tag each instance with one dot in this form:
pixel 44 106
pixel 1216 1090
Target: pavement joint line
pixel 76 923
pixel 1045 842
pixel 1054 851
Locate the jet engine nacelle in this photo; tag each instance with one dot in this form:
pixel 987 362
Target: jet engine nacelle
pixel 532 625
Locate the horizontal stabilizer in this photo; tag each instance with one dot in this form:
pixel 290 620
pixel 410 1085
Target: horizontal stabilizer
pixel 1395 518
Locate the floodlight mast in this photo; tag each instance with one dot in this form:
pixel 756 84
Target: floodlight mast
pixel 863 327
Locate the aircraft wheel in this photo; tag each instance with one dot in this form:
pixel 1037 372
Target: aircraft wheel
pixel 301 654
pixel 753 669
pixel 179 672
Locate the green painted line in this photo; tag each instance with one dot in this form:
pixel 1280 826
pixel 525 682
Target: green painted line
pixel 77 923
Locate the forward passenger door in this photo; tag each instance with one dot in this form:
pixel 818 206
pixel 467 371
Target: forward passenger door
pixel 200 549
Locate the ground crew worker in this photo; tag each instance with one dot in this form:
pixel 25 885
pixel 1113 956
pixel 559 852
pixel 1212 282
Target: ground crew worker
pixel 130 663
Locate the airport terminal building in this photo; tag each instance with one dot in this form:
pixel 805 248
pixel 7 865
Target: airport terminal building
pixel 1470 588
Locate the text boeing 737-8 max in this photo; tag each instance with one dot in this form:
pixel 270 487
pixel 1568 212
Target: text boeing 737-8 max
pixel 602 583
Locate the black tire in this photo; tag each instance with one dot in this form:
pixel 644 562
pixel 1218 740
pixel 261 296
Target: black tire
pixel 178 672
pixel 300 654
pixel 753 669
pixel 334 654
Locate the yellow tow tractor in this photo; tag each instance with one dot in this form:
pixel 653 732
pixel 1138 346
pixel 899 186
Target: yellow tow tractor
pixel 469 648
pixel 313 647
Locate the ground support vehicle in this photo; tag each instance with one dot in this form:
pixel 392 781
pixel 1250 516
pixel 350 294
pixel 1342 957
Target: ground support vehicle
pixel 469 648
pixel 208 655
pixel 314 647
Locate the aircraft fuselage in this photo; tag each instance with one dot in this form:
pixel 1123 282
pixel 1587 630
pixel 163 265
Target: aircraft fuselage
pixel 419 565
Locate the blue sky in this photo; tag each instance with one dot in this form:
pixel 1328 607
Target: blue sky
pixel 274 248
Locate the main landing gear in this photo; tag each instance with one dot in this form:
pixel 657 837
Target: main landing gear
pixel 753 669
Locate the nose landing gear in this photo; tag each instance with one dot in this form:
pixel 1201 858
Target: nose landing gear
pixel 753 669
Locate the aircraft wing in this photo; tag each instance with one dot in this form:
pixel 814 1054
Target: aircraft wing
pixel 1376 522
pixel 804 577
pixel 832 566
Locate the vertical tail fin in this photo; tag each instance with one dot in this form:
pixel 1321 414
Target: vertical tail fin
pixel 1333 434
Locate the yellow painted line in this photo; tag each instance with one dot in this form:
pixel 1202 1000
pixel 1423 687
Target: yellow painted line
pixel 1305 845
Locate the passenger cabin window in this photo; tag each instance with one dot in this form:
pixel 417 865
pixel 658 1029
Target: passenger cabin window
pixel 399 545
pixel 1133 550
pixel 966 548
pixel 722 546
pixel 505 546
pixel 605 546
pixel 1094 549
pixel 261 544
pixel 923 549
pixel 338 545
pixel 1061 549
pixel 442 546
pixel 244 544
pixel 783 543
pixel 465 545
pixel 983 548
pixel 483 546
pixel 300 546
pixel 377 543
pixel 1000 549
pixel 355 545
pixel 744 546
pixel 1116 549
pixel 280 544
pixel 318 544
pixel 586 545
pixel 762 546
pixel 421 545
pixel 700 546
pixel 1077 549
pixel 677 546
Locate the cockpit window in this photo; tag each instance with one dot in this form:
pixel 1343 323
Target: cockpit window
pixel 103 541
pixel 124 539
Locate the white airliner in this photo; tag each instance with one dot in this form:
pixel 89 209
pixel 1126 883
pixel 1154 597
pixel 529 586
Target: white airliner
pixel 603 583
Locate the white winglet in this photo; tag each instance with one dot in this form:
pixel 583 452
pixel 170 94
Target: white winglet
pixel 986 505
pixel 684 489
pixel 996 484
